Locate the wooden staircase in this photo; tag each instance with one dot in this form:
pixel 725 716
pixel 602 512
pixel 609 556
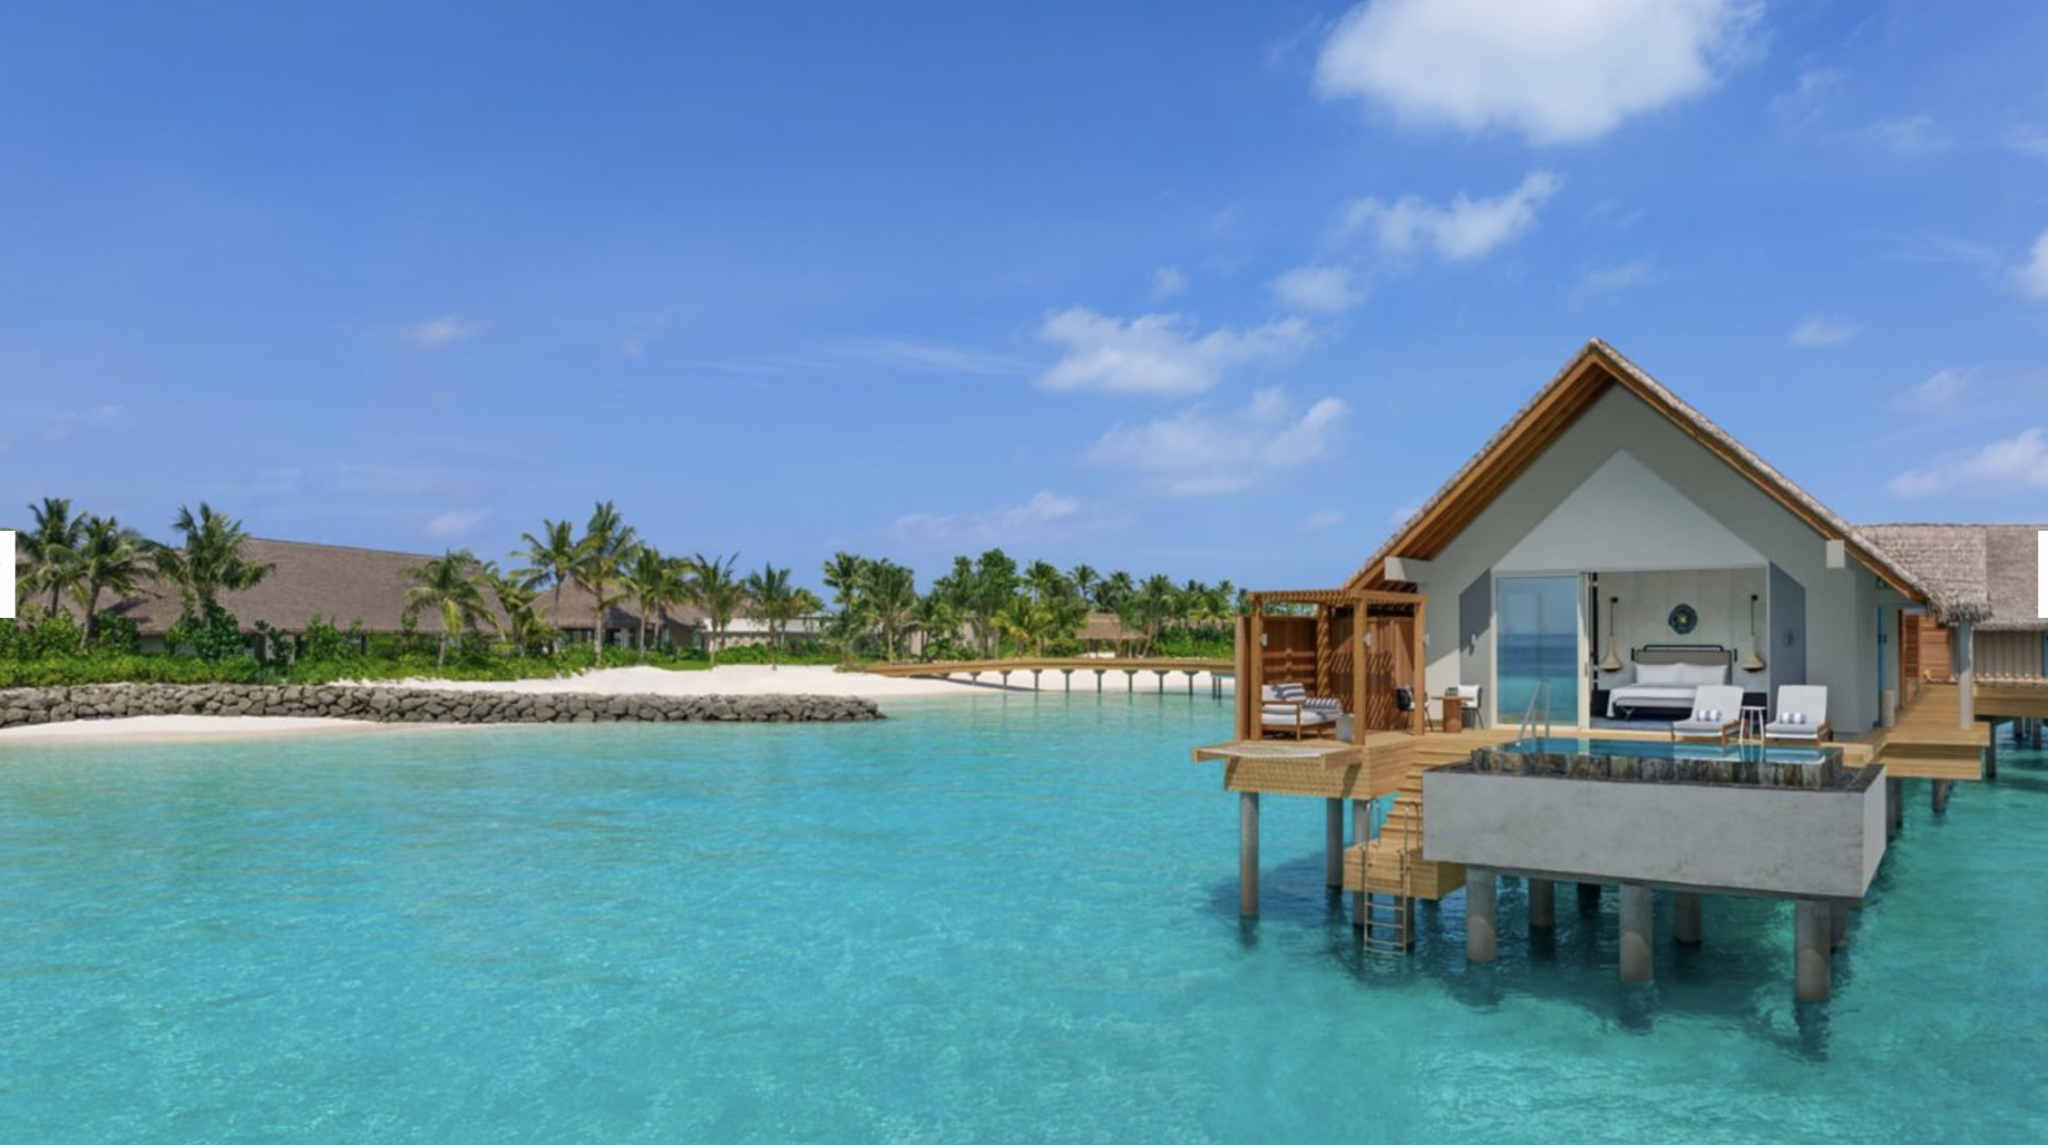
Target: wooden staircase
pixel 1390 870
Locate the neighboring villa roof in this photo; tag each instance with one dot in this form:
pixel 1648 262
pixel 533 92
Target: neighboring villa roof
pixel 1105 626
pixel 1988 570
pixel 346 585
pixel 1583 381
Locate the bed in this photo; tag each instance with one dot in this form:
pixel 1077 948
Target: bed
pixel 1668 678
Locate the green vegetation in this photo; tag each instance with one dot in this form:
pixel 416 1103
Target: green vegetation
pixel 503 624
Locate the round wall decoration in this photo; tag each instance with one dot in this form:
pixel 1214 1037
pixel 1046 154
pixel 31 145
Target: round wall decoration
pixel 1683 620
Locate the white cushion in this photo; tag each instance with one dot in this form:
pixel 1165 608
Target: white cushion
pixel 1660 674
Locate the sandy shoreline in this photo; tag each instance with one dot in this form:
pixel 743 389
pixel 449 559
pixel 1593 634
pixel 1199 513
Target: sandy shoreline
pixel 735 680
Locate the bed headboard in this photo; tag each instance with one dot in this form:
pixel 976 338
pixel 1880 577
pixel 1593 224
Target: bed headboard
pixel 1714 654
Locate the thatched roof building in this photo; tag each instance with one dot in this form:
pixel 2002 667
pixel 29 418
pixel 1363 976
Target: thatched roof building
pixel 350 585
pixel 1982 574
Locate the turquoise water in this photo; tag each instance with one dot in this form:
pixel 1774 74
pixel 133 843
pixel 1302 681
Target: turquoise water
pixel 1000 919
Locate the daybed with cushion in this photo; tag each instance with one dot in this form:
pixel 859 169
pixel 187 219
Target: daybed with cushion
pixel 1287 708
pixel 1665 687
pixel 1802 715
pixel 1716 715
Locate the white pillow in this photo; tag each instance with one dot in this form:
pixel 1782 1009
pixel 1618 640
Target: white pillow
pixel 1706 674
pixel 1659 673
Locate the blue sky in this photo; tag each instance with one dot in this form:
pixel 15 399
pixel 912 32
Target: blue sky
pixel 1219 290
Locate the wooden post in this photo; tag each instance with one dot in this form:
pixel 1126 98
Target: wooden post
pixel 1481 921
pixel 1241 662
pixel 1941 790
pixel 1359 632
pixel 1963 655
pixel 1637 914
pixel 1991 754
pixel 1254 680
pixel 1248 853
pixel 1418 720
pixel 1361 834
pixel 1321 684
pixel 1333 843
pixel 1069 674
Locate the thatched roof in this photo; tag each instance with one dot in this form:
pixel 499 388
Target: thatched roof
pixel 1583 380
pixel 346 585
pixel 1105 627
pixel 1980 574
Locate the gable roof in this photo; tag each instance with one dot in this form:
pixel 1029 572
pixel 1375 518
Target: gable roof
pixel 1591 373
pixel 1987 572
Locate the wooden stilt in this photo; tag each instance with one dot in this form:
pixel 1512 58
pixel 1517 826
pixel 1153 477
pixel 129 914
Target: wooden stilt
pixel 1941 790
pixel 1333 843
pixel 1248 853
pixel 1361 834
pixel 1542 904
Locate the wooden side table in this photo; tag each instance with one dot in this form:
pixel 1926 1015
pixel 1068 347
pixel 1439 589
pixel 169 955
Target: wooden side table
pixel 1453 719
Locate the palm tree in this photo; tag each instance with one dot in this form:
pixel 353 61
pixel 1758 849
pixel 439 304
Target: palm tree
pixel 715 588
pixel 1149 608
pixel 110 559
pixel 889 591
pixel 1116 588
pixel 208 561
pixel 936 617
pixel 517 593
pixel 552 556
pixel 774 600
pixel 843 576
pixel 1086 580
pixel 655 584
pixel 447 585
pixel 607 545
pixel 50 550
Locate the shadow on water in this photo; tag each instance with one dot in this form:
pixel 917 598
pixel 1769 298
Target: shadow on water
pixel 1732 979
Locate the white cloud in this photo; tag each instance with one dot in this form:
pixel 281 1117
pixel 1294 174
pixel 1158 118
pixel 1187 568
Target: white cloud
pixel 935 356
pixel 1557 71
pixel 2015 464
pixel 1804 103
pixel 1158 353
pixel 2028 140
pixel 1613 279
pixel 1322 519
pixel 1320 289
pixel 1168 282
pixel 445 330
pixel 1940 393
pixel 1912 135
pixel 1815 333
pixel 456 522
pixel 1464 230
pixel 2031 276
pixel 1045 513
pixel 1201 451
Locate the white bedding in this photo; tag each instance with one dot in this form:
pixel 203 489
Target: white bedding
pixel 1678 696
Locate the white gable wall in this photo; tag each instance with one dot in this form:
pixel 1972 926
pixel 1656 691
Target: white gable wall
pixel 1623 488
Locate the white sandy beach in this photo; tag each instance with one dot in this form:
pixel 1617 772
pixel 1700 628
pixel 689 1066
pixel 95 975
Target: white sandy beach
pixel 736 680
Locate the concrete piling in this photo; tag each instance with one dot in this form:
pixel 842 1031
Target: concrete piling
pixel 1589 898
pixel 1637 914
pixel 1685 918
pixel 1542 904
pixel 1333 843
pixel 1481 921
pixel 1940 793
pixel 1838 926
pixel 1812 973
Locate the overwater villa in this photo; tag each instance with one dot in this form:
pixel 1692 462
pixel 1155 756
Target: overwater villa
pixel 1619 648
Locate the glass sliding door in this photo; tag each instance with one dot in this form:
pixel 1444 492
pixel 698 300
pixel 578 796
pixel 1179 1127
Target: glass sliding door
pixel 1536 641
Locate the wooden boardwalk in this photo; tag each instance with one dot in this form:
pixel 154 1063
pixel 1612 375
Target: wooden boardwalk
pixel 1928 743
pixel 1099 666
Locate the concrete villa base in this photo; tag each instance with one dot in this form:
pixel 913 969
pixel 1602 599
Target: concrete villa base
pixel 416 705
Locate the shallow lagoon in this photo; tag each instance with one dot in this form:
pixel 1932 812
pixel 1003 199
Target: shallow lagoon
pixel 1001 918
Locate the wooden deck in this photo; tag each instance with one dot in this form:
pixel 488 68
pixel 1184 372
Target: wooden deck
pixel 1927 742
pixel 1392 764
pixel 2012 699
pixel 1098 665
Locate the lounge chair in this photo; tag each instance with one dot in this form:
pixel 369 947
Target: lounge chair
pixel 1287 708
pixel 1716 715
pixel 1802 715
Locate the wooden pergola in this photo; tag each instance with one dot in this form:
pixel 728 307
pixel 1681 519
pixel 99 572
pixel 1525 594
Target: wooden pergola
pixel 1356 646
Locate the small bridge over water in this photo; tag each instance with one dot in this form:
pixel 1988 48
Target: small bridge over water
pixel 1218 670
